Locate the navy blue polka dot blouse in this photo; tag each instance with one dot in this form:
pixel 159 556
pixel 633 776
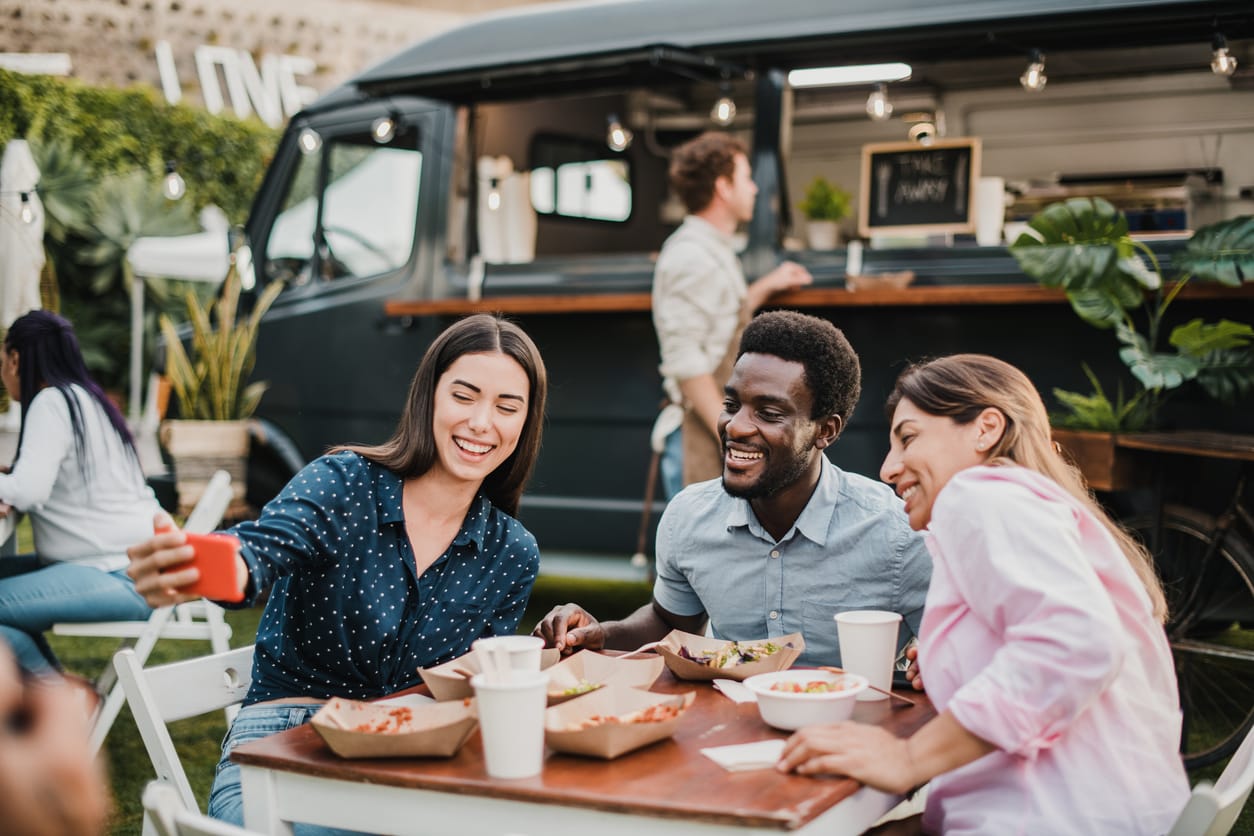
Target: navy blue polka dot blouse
pixel 348 615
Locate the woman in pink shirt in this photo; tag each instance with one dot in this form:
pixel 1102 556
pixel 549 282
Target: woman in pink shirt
pixel 1041 644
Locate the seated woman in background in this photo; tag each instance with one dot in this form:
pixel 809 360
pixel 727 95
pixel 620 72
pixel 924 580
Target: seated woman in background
pixel 77 476
pixel 383 559
pixel 1041 644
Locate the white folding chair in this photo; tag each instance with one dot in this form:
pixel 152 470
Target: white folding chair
pixel 196 620
pixel 1213 809
pixel 165 815
pixel 165 693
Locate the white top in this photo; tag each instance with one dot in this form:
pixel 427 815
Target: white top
pixel 87 512
pixel 698 289
pixel 1039 638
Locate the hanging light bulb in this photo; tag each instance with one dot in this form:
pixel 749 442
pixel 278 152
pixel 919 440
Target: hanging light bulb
pixel 878 107
pixel 310 141
pixel 494 194
pixel 173 186
pixel 1034 78
pixel 27 213
pixel 617 137
pixel 1222 61
pixel 724 110
pixel 383 129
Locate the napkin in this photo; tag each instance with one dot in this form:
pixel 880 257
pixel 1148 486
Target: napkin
pixel 745 756
pixel 735 691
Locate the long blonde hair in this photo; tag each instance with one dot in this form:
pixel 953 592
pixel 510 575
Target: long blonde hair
pixel 962 386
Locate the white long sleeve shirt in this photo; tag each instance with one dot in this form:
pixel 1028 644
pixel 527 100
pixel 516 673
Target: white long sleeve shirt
pixel 87 511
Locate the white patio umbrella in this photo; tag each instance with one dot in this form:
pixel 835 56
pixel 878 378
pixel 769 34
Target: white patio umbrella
pixel 21 233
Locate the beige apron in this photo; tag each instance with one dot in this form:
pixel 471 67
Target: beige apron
pixel 703 453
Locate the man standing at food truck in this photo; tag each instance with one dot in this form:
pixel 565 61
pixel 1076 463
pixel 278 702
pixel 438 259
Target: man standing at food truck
pixel 701 302
pixel 785 540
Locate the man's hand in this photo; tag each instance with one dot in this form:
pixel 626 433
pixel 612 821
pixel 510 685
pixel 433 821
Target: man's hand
pixel 788 276
pixel 5 509
pixel 912 672
pixel 569 628
pixel 50 784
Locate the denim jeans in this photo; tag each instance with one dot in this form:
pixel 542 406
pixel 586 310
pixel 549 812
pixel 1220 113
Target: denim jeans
pixel 226 799
pixel 35 594
pixel 672 464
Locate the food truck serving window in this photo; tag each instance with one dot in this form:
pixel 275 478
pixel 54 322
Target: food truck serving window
pixel 578 178
pixel 350 210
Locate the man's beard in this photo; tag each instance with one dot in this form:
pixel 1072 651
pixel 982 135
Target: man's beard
pixel 777 476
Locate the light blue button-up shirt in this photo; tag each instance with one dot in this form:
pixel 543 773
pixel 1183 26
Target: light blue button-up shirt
pixel 850 549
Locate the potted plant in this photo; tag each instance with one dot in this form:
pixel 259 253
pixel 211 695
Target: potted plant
pixel 215 399
pixel 824 206
pixel 1115 282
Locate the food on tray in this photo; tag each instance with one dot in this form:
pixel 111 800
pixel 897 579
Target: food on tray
pixel 817 686
pixel 581 687
pixel 735 653
pixel 395 721
pixel 652 714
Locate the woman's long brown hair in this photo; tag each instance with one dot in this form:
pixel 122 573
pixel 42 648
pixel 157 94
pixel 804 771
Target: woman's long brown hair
pixel 962 386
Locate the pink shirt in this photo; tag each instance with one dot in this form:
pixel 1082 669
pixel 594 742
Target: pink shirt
pixel 1040 639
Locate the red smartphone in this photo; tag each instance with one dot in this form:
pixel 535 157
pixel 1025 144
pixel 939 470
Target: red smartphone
pixel 220 571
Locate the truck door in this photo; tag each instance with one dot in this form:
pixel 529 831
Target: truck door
pixel 346 220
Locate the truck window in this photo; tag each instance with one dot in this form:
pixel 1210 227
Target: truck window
pixel 360 222
pixel 576 178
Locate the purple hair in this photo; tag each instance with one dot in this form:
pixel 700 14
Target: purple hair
pixel 49 355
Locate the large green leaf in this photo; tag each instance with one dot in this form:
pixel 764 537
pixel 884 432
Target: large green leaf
pixel 1198 338
pixel 1154 370
pixel 1222 252
pixel 1227 375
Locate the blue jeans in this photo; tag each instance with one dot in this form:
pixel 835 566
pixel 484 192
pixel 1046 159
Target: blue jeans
pixel 35 594
pixel 226 799
pixel 672 464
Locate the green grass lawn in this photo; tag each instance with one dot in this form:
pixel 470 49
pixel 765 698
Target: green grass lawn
pixel 198 739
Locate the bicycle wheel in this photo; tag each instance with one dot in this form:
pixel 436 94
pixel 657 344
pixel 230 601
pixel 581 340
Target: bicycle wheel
pixel 1211 613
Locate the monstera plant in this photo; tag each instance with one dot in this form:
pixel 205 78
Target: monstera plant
pixel 1115 282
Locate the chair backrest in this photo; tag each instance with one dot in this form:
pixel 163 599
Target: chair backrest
pixel 1213 809
pixel 166 693
pixel 166 816
pixel 212 505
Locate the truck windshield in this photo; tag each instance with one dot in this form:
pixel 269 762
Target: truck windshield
pixel 350 210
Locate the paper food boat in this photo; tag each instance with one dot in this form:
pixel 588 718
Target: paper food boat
pixel 587 667
pixel 367 730
pixel 789 647
pixel 448 682
pixel 562 723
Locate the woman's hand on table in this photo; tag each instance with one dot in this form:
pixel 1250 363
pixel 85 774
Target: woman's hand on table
pixel 912 672
pixel 155 562
pixel 570 627
pixel 870 754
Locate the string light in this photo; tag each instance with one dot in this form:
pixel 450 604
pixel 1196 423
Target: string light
pixel 383 129
pixel 494 194
pixel 1034 78
pixel 173 186
pixel 617 137
pixel 878 107
pixel 27 213
pixel 1222 62
pixel 309 141
pixel 724 110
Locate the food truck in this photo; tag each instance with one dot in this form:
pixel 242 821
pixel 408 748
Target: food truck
pixel 518 163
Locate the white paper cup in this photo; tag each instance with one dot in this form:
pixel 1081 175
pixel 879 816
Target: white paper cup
pixel 522 653
pixel 511 723
pixel 868 644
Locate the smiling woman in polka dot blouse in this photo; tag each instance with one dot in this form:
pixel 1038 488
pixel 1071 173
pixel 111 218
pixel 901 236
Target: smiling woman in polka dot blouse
pixel 386 558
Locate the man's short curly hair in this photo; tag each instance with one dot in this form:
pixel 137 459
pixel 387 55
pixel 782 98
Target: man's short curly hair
pixel 831 366
pixel 698 163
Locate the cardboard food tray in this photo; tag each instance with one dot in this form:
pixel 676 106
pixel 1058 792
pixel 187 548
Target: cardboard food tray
pixel 446 684
pixel 609 740
pixel 790 647
pixel 602 671
pixel 435 730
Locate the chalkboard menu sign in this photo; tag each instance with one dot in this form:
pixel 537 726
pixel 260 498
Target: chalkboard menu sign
pixel 908 188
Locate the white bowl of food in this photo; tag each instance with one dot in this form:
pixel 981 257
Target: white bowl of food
pixel 799 697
